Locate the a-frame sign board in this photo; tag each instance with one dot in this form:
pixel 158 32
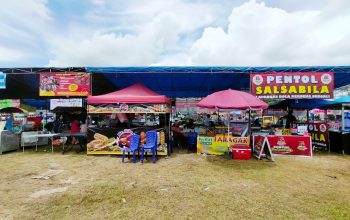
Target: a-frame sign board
pixel 262 148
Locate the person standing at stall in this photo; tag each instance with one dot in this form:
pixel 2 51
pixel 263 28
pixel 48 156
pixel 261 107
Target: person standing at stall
pixel 207 120
pixel 178 134
pixel 75 129
pixel 290 119
pixel 9 123
pixel 83 130
pixel 58 124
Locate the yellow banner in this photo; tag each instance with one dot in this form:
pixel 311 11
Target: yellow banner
pixel 218 145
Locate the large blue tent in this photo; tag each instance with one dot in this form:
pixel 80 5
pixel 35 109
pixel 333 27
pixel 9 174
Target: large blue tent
pixel 201 81
pixel 301 104
pixel 339 102
pixel 170 81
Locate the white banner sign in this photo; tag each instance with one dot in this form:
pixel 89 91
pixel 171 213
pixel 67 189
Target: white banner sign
pixel 2 80
pixel 54 103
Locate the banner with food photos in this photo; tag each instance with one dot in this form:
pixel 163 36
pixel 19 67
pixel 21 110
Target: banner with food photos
pixel 128 108
pixel 290 145
pixel 64 84
pixel 109 140
pixel 293 85
pixel 319 134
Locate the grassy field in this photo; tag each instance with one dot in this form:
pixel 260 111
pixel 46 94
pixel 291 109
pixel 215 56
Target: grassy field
pixel 41 185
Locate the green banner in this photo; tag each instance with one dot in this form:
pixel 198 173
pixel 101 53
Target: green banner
pixel 6 103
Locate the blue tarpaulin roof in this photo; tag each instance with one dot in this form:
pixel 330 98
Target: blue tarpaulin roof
pixel 300 104
pixel 310 103
pixel 201 81
pixel 169 81
pixel 337 103
pixel 38 103
pixel 344 99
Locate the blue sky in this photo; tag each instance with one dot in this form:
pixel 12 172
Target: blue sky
pixel 174 32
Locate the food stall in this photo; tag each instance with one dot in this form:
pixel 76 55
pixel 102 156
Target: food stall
pixel 236 136
pixel 115 116
pixel 339 128
pixel 292 86
pixel 310 116
pixel 33 129
pixel 9 139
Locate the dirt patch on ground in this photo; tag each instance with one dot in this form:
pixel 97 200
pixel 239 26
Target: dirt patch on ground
pixel 184 186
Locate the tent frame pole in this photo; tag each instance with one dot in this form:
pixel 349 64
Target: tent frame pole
pixel 342 118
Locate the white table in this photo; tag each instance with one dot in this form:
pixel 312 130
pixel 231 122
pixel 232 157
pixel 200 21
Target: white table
pixel 52 135
pixel 68 134
pixel 42 135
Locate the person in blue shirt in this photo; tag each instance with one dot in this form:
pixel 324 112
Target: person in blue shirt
pixel 207 120
pixel 9 123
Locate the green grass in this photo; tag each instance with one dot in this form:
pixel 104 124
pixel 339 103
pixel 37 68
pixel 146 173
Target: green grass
pixel 185 186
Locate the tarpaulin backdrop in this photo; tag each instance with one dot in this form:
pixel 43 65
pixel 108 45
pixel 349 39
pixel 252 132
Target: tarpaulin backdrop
pixel 170 81
pixel 201 81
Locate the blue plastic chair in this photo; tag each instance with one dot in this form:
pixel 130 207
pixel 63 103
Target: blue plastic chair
pixel 191 140
pixel 150 146
pixel 134 146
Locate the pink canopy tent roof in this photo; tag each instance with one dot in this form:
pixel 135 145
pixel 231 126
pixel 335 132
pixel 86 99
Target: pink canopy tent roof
pixel 137 93
pixel 232 99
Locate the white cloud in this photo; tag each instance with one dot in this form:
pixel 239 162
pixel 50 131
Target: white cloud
pixel 24 29
pixel 9 54
pixel 258 35
pixel 175 32
pixel 98 2
pixel 161 31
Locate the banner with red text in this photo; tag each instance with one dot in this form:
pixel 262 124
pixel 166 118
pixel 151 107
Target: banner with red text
pixel 64 84
pixel 290 145
pixel 219 144
pixel 293 85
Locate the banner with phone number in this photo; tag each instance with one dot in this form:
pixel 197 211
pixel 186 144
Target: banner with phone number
pixel 64 84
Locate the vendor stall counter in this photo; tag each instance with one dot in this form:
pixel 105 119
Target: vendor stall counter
pixel 31 138
pixel 9 140
pixel 118 115
pixel 340 141
pixel 279 144
pixel 218 142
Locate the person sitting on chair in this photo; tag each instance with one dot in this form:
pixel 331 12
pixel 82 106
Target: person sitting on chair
pixel 178 134
pixel 9 123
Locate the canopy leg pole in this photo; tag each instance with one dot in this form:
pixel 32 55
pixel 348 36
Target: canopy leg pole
pixel 342 118
pixel 342 122
pixel 218 116
pixel 169 145
pixel 326 122
pixel 249 121
pixel 228 132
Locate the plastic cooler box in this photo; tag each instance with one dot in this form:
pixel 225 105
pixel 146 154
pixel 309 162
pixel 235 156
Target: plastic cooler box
pixel 241 152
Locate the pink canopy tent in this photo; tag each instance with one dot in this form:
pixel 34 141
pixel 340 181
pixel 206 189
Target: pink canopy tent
pixel 137 93
pixel 232 99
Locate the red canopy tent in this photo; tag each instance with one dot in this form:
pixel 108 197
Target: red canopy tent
pixel 137 93
pixel 135 99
